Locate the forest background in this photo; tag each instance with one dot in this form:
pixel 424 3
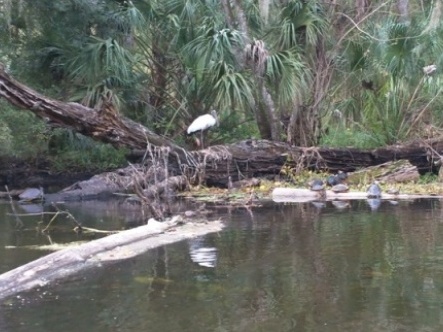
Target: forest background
pixel 311 73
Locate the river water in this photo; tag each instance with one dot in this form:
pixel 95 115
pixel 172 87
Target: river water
pixel 280 267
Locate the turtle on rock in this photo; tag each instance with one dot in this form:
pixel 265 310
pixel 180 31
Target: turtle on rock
pixel 338 178
pixel 393 191
pixel 316 185
pixel 31 195
pixel 342 176
pixel 332 180
pixel 374 190
pixel 340 188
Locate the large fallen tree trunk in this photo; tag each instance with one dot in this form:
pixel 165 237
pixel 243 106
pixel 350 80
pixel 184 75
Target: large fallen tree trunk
pixel 126 244
pixel 249 158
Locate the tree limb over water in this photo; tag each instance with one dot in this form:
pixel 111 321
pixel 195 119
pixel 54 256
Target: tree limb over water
pixel 104 124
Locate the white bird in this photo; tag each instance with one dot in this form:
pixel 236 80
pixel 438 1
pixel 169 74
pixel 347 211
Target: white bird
pixel 429 70
pixel 202 123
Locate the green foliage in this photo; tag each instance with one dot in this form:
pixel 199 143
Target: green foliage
pixel 212 45
pixel 82 153
pixel 380 88
pixel 288 75
pixel 68 149
pixel 22 135
pixel 165 62
pixel 302 23
pixel 352 136
pixel 5 139
pixel 233 128
pixel 231 88
pixel 428 178
pixel 102 68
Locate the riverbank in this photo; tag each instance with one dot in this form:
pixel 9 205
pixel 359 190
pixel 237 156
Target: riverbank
pixel 18 173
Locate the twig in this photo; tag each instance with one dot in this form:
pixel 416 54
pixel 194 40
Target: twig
pixel 93 230
pixel 69 216
pixel 50 222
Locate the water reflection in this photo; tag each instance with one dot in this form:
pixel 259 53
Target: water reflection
pixel 341 204
pixel 319 204
pixel 201 254
pixel 374 203
pixel 283 267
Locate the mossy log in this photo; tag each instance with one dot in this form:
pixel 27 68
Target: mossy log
pixel 214 165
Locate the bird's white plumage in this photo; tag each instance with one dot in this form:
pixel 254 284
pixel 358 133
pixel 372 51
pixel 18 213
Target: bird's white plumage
pixel 428 70
pixel 203 122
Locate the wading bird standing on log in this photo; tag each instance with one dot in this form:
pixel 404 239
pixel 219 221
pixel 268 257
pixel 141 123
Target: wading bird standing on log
pixel 202 123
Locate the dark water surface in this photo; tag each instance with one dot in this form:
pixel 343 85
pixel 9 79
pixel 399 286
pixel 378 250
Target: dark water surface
pixel 294 267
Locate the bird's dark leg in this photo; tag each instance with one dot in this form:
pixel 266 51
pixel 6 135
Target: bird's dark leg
pixel 201 139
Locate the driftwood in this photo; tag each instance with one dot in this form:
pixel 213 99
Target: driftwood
pixel 123 245
pixel 214 165
pixel 391 172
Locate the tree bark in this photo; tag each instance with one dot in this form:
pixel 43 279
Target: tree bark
pixel 361 8
pixel 241 18
pixel 403 10
pixel 264 9
pixel 272 115
pixel 265 110
pixel 304 125
pixel 228 13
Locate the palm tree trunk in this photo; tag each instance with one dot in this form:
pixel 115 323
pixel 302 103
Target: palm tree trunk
pixel 264 9
pixel 435 19
pixel 262 122
pixel 268 121
pixel 241 18
pixel 304 125
pixel 274 122
pixel 361 8
pixel 228 13
pixel 403 10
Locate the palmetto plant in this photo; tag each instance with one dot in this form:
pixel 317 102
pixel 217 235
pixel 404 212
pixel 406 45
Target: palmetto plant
pixel 380 86
pixel 280 66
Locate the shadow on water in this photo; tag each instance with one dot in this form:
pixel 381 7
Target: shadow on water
pixel 354 266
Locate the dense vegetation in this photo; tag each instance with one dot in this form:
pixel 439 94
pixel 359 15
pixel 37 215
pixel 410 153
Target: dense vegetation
pixel 307 72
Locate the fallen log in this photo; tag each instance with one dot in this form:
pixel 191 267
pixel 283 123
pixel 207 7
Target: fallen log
pixel 390 172
pixel 123 245
pixel 245 159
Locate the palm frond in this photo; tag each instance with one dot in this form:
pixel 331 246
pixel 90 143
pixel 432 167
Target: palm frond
pixel 288 75
pixel 212 45
pixel 100 59
pixel 230 88
pixel 303 23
